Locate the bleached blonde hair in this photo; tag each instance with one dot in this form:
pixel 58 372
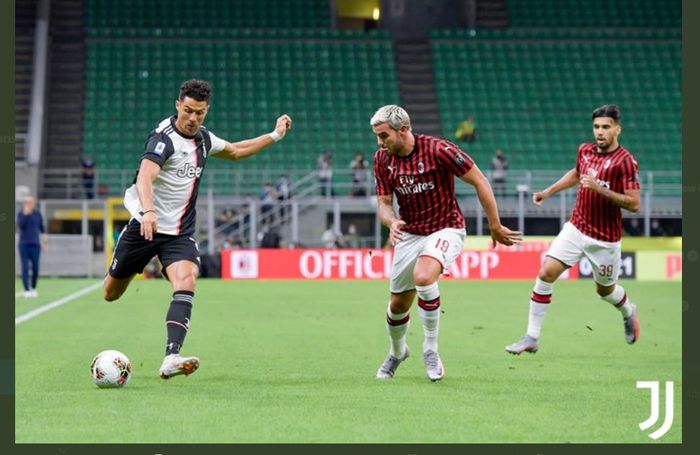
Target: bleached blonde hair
pixel 394 115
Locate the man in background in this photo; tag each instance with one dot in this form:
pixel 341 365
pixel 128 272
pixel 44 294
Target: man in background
pixel 32 239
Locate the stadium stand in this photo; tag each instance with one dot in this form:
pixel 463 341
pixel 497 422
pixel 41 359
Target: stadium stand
pixel 594 13
pixel 265 61
pixel 519 85
pixel 330 82
pixel 208 13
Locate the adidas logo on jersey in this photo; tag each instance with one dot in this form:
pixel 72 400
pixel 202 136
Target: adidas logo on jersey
pixel 189 171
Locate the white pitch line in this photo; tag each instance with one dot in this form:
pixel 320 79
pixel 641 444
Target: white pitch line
pixel 55 304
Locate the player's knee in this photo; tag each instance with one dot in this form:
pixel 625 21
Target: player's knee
pixel 548 276
pixel 423 279
pixel 111 295
pixel 604 291
pixel 185 281
pixel 399 307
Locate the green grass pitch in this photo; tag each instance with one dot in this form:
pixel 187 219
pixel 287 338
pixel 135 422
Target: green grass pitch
pixel 294 361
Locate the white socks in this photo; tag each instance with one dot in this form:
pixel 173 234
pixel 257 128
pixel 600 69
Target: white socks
pixel 618 298
pixel 429 311
pixel 539 303
pixel 397 326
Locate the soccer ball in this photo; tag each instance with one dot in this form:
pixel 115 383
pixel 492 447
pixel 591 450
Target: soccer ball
pixel 110 369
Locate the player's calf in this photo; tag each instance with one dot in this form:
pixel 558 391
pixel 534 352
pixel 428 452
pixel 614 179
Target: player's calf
pixel 618 298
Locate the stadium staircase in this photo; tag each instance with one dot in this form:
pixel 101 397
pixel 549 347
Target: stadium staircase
pixel 414 70
pixel 66 94
pixel 491 14
pixel 25 19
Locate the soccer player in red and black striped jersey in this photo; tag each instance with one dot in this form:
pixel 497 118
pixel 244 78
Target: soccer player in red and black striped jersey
pixel 428 234
pixel 608 178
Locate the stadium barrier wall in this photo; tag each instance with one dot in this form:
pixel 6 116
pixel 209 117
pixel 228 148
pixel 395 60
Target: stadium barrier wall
pixel 375 264
pixel 370 264
pixel 65 255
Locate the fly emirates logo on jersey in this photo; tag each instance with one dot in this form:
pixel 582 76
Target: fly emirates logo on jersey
pixel 410 185
pixel 189 171
pixel 594 173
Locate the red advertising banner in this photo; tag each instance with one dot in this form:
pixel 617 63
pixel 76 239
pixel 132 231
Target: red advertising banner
pixel 370 264
pixel 674 266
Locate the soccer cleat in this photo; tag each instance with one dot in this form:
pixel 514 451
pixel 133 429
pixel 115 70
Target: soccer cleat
pixel 33 293
pixel 174 365
pixel 391 363
pixel 631 325
pixel 27 294
pixel 433 365
pixel 525 344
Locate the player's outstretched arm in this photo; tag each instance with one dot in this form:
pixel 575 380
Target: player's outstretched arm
pixel 249 147
pixel 564 183
pixel 499 233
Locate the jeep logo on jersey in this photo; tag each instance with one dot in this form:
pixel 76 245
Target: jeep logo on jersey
pixel 189 171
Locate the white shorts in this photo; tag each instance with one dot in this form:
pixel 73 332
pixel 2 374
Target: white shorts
pixel 571 245
pixel 443 245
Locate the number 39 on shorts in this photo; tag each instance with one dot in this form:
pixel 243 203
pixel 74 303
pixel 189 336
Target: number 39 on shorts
pixel 606 270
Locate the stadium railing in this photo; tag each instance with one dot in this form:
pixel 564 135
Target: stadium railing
pixel 234 212
pixel 67 183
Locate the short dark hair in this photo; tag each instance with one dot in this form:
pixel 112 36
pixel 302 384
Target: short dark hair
pixel 608 110
pixel 195 89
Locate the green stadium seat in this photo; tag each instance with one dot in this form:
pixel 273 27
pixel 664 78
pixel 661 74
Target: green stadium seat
pixel 539 92
pixel 332 83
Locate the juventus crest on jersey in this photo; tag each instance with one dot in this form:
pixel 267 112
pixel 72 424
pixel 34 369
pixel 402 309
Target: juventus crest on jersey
pixel 182 160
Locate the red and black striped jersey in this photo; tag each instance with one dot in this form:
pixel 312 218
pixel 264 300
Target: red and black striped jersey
pixel 594 215
pixel 423 183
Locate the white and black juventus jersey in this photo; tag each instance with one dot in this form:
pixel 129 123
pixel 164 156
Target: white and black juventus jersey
pixel 182 161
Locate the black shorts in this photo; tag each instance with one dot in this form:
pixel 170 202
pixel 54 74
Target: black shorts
pixel 133 252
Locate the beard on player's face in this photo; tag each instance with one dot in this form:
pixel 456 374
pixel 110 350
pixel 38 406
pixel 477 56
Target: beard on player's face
pixel 396 144
pixel 605 141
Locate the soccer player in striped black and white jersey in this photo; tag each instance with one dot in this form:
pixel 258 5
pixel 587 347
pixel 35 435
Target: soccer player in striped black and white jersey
pixel 162 204
pixel 428 233
pixel 608 178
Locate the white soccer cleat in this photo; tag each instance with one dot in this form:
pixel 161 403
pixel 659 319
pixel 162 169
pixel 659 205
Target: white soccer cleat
pixel 525 344
pixel 33 293
pixel 433 365
pixel 390 364
pixel 631 325
pixel 175 364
